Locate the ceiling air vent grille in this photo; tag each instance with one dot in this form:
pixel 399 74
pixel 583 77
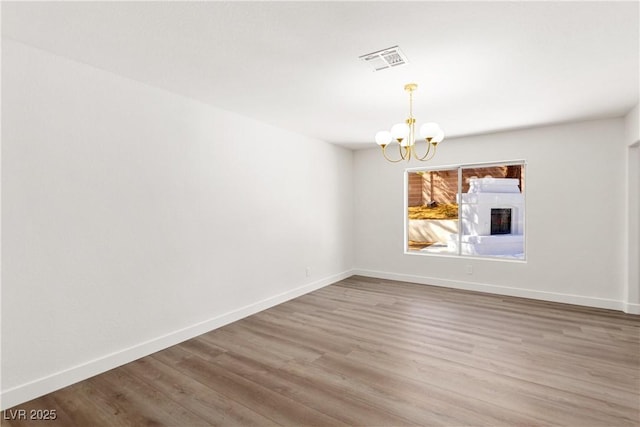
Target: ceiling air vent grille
pixel 386 58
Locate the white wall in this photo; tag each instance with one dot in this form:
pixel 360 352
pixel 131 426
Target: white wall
pixel 575 219
pixel 633 235
pixel 632 139
pixel 134 218
pixel 632 126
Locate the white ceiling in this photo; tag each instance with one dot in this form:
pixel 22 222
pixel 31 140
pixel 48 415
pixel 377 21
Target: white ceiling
pixel 481 66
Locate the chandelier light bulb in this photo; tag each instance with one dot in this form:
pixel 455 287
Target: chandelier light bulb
pixel 400 131
pixel 383 137
pixel 430 130
pixel 439 136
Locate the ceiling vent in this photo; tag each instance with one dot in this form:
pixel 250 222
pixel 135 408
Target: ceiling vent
pixel 386 58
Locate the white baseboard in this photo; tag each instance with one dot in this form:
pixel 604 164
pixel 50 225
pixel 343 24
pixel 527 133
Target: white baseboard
pixel 25 392
pixel 631 308
pixel 501 290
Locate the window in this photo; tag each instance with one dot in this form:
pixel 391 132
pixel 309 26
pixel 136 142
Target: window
pixel 466 210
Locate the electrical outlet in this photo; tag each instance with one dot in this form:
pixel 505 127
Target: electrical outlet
pixel 469 269
pixel 307 271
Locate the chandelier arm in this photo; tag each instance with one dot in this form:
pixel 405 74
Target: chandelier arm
pixel 407 152
pixel 426 156
pixel 433 153
pixel 384 153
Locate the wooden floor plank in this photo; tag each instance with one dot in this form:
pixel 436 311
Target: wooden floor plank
pixel 314 393
pixel 259 397
pixel 206 402
pixel 377 352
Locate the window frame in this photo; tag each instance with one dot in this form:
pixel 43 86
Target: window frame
pixel 459 167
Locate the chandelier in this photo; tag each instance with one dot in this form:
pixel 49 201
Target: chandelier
pixel 404 135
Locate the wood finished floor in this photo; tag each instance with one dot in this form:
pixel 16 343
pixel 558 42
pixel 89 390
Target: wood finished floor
pixel 372 352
